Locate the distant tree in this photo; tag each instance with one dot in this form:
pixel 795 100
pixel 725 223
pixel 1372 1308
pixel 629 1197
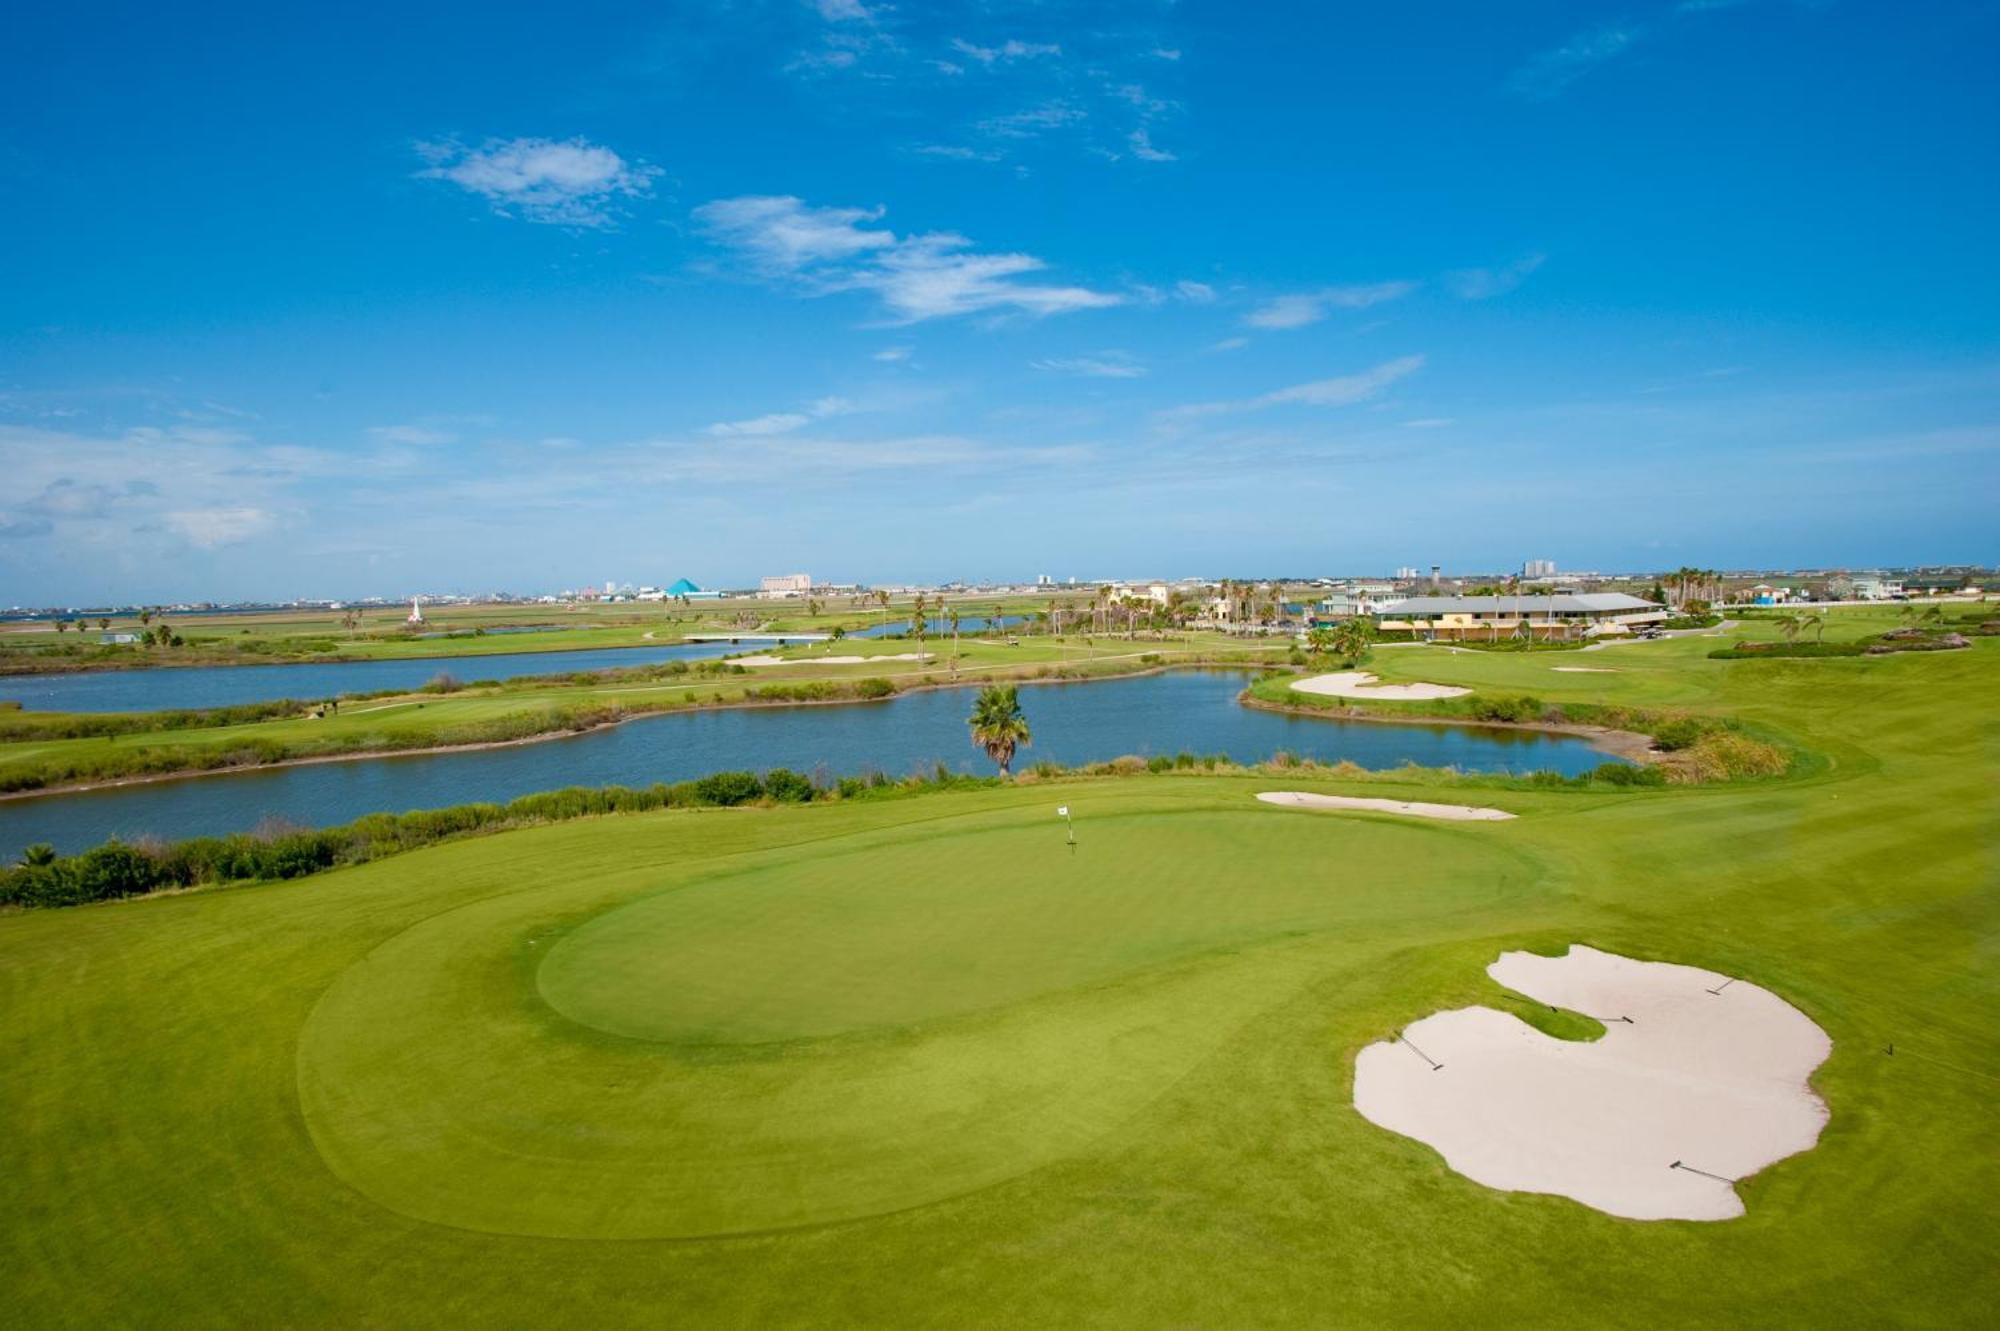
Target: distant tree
pixel 998 725
pixel 62 626
pixel 1816 622
pixel 1790 626
pixel 145 617
pixel 951 617
pixel 917 624
pixel 103 622
pixel 1319 640
pixel 38 856
pixel 812 608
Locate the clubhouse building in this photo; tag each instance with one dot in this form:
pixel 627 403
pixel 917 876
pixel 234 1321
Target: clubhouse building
pixel 1582 615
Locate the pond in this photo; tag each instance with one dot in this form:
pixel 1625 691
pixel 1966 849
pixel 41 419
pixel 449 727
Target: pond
pixel 1073 723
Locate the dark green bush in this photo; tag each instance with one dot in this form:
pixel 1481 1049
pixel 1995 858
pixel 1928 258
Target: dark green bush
pixel 1753 651
pixel 788 787
pixel 1680 733
pixel 728 788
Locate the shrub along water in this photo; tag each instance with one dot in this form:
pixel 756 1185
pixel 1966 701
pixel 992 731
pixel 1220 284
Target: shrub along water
pixel 119 869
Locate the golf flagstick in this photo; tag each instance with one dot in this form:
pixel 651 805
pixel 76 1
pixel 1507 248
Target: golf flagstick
pixel 1062 812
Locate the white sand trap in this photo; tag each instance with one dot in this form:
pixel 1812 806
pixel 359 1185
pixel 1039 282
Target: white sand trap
pixel 828 660
pixel 1299 799
pixel 1361 684
pixel 1585 670
pixel 1709 1075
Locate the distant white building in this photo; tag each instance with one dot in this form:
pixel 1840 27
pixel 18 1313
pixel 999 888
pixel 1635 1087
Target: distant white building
pixel 785 584
pixel 1875 587
pixel 1539 568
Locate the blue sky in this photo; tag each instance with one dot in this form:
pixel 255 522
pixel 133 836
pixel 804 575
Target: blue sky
pixel 322 300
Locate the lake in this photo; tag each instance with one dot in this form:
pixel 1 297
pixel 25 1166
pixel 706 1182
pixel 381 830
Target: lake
pixel 1073 723
pixel 166 688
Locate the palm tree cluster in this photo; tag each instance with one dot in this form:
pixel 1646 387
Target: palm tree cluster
pixel 1695 584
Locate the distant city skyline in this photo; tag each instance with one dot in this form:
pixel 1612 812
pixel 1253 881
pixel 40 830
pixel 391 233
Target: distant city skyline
pixel 347 299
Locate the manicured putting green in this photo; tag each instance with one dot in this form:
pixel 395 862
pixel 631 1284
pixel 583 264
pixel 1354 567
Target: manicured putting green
pixel 842 1029
pixel 944 926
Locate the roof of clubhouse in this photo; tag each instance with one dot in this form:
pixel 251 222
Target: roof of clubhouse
pixel 1581 603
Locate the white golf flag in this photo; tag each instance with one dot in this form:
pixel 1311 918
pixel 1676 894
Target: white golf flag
pixel 1062 811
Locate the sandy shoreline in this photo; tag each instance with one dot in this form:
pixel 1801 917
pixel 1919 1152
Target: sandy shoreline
pixel 1627 744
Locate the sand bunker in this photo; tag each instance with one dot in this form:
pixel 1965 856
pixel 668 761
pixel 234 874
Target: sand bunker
pixel 1699 1081
pixel 1361 684
pixel 828 660
pixel 1298 799
pixel 1585 670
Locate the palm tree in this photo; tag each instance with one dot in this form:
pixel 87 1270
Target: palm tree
pixel 1817 623
pixel 951 618
pixel 998 725
pixel 1319 640
pixel 1351 639
pixel 1790 625
pixel 917 624
pixel 38 856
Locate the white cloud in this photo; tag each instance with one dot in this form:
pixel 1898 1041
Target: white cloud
pixel 1165 53
pixel 955 152
pixel 1034 121
pixel 1546 75
pixel 1485 283
pixel 1429 423
pixel 1143 149
pixel 1104 365
pixel 894 354
pixel 780 422
pixel 1195 293
pixel 1308 307
pixel 1231 344
pixel 777 422
pixel 1339 391
pixel 929 276
pixel 844 11
pixel 411 434
pixel 208 528
pixel 783 234
pixel 569 183
pixel 1007 50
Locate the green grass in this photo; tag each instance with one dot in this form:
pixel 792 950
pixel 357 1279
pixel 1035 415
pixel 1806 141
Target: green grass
pixel 914 1063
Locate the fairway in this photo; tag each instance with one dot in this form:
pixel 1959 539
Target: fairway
pixel 914 1061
